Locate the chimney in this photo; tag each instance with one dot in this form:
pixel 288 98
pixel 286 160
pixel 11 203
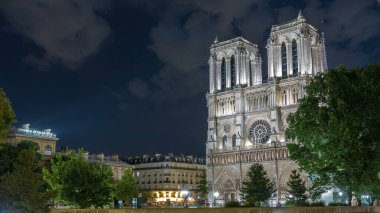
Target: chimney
pixel 85 155
pixel 47 130
pixel 115 158
pixel 25 126
pixel 100 157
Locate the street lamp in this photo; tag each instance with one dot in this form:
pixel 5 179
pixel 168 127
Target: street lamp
pixel 275 160
pixel 216 195
pixel 184 194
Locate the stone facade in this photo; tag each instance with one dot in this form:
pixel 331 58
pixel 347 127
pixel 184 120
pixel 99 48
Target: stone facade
pixel 247 116
pixel 118 166
pixel 45 139
pixel 168 177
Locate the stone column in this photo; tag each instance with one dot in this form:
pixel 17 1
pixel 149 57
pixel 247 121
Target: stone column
pixel 289 57
pixel 270 61
pixel 238 66
pixel 211 63
pixel 248 71
pixel 243 73
pixel 228 72
pixel 218 75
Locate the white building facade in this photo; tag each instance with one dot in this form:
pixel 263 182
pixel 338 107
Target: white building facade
pixel 247 117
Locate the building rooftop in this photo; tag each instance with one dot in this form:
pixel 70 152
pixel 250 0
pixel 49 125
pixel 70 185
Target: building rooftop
pixel 166 158
pixel 112 160
pixel 25 130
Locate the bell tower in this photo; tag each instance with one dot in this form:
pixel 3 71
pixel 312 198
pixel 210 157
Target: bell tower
pixel 295 48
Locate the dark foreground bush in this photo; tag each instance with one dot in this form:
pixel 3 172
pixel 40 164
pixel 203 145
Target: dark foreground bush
pixel 231 204
pixel 337 204
pixel 295 203
pixel 319 203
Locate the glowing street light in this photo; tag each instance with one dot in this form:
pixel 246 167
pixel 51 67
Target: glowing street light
pixel 216 194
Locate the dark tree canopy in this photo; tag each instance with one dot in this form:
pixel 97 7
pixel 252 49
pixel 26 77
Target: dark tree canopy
pixel 296 187
pixel 79 182
pixel 257 187
pixel 337 129
pixel 9 155
pixel 7 115
pixel 23 189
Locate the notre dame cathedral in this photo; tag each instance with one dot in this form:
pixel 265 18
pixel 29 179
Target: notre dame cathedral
pixel 246 115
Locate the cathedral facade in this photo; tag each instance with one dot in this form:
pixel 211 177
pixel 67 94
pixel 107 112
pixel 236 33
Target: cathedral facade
pixel 247 116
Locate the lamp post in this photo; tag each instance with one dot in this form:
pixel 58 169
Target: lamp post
pixel 184 194
pixel 241 173
pixel 212 140
pixel 216 195
pixel 275 161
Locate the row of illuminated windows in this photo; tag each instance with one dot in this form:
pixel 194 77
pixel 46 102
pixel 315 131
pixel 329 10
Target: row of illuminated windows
pixel 183 174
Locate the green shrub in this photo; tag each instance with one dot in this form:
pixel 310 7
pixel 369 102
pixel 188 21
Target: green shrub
pixel 295 203
pixel 319 203
pixel 232 204
pixel 337 204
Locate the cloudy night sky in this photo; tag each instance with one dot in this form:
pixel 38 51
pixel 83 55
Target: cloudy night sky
pixel 130 77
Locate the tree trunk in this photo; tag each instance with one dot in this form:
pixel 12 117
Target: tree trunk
pixel 349 195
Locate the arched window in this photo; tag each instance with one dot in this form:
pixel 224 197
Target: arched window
pixel 233 72
pixel 48 150
pixel 224 142
pixel 234 140
pixel 295 57
pixel 284 60
pixel 250 73
pixel 223 73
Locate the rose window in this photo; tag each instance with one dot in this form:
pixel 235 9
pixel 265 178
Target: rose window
pixel 259 132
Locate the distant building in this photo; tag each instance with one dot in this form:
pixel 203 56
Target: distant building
pixel 168 178
pixel 118 166
pixel 45 139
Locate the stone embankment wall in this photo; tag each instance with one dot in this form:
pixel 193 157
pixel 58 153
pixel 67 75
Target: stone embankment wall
pixel 372 209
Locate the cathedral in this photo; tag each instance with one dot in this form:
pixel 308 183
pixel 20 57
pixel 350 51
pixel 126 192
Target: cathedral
pixel 247 117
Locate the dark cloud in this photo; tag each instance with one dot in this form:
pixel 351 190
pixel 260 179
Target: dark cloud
pixel 138 87
pixel 184 33
pixel 67 31
pixel 347 25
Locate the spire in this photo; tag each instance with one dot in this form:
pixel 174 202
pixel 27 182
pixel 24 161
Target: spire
pixel 216 39
pixel 300 16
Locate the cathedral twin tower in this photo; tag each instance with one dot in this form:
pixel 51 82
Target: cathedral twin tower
pixel 247 116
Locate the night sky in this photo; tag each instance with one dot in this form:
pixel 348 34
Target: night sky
pixel 130 77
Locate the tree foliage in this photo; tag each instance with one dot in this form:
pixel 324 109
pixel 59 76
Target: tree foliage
pixel 257 187
pixel 7 115
pixel 297 188
pixel 23 190
pixel 337 129
pixel 202 187
pixel 126 188
pixel 79 182
pixel 9 155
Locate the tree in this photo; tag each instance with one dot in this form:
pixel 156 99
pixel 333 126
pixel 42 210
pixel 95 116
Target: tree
pixel 9 155
pixel 79 182
pixel 7 115
pixel 126 188
pixel 336 128
pixel 297 188
pixel 23 189
pixel 202 187
pixel 257 187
